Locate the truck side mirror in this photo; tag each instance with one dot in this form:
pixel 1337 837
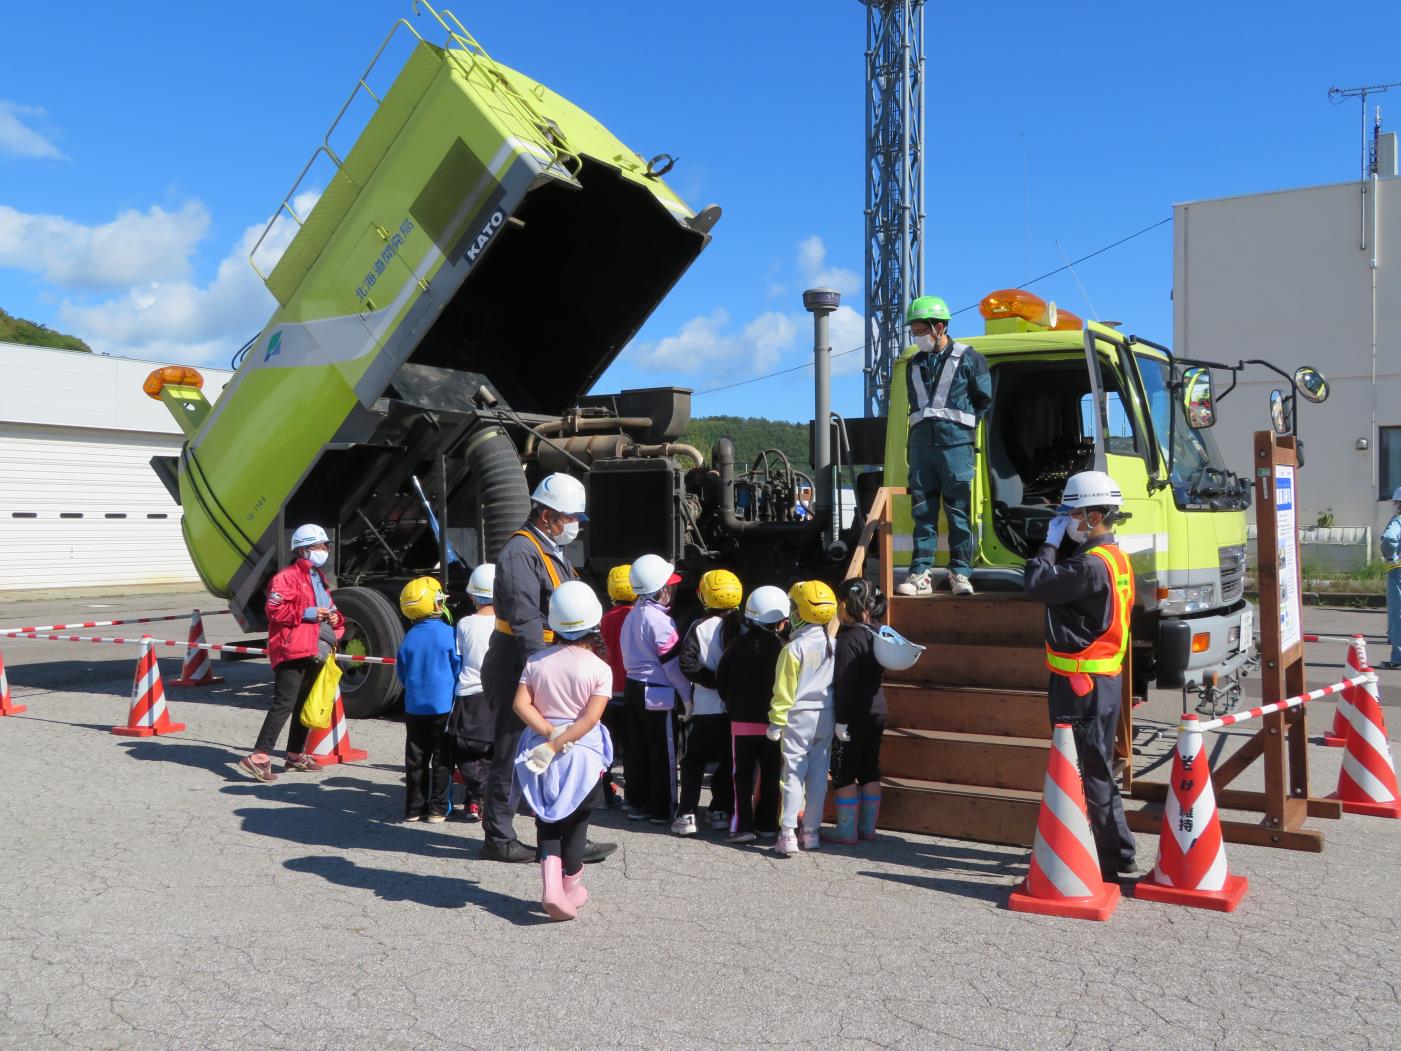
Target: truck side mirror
pixel 1197 398
pixel 1279 412
pixel 1311 384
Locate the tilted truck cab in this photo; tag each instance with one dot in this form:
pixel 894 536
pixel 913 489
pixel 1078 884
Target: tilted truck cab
pixel 1082 396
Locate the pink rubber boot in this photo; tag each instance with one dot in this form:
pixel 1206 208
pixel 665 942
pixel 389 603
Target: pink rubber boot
pixel 552 895
pixel 574 888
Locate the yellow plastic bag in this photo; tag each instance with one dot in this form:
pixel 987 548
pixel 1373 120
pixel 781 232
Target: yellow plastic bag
pixel 321 701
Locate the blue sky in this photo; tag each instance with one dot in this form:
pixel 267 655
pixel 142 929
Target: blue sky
pixel 137 154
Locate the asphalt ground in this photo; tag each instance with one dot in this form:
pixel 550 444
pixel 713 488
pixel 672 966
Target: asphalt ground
pixel 150 897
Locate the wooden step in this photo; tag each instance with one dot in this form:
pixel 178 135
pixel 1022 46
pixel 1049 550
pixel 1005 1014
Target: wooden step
pixel 960 709
pixel 993 617
pixel 966 759
pixel 957 663
pixel 938 808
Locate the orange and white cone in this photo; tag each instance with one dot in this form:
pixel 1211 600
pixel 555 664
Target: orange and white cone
pixel 149 715
pixel 332 745
pixel 1342 715
pixel 1367 781
pixel 1191 867
pixel 197 670
pixel 1064 878
pixel 7 707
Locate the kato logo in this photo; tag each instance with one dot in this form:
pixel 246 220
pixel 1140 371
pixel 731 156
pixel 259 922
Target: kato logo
pixel 274 346
pixel 488 231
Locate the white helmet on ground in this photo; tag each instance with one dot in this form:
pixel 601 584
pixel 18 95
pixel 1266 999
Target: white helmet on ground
pixel 1091 489
pixel 766 605
pixel 893 651
pixel 563 493
pixel 307 535
pixel 650 573
pixel 481 582
pixel 574 610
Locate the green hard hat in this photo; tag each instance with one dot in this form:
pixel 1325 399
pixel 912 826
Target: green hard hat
pixel 927 308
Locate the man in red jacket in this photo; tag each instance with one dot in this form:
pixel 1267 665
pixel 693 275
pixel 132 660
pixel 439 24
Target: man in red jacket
pixel 303 627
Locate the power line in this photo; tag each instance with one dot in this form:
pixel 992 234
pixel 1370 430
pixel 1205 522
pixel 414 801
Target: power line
pixel 961 310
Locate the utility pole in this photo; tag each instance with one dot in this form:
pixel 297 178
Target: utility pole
pixel 894 184
pixel 1369 147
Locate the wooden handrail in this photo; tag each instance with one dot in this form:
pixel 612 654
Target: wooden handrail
pixel 877 521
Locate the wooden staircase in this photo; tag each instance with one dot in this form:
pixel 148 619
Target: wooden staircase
pixel 967 737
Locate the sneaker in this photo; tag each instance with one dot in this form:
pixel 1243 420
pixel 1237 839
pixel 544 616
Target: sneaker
pixel 719 822
pixel 786 844
pixel 410 818
pixel 472 812
pixel 660 820
pixel 636 814
pixel 767 835
pixel 435 819
pixel 256 770
pixel 741 837
pixel 921 583
pixel 300 761
pixel 684 825
pixel 810 840
pixel 959 584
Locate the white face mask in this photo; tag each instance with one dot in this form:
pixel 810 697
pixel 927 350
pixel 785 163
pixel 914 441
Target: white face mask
pixel 1077 531
pixel 925 342
pixel 317 558
pixel 569 535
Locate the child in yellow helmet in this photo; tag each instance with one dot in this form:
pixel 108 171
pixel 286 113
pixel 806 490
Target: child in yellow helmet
pixel 428 665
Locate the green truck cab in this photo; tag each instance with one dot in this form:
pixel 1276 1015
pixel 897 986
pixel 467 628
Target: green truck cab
pixel 1071 396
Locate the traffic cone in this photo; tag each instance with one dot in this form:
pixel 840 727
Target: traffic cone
pixel 1356 661
pixel 1191 867
pixel 197 670
pixel 1367 781
pixel 1064 878
pixel 149 716
pixel 332 745
pixel 6 707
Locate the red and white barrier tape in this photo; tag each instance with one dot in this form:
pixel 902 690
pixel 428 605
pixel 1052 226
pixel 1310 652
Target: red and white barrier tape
pixel 212 647
pixel 1279 706
pixel 11 632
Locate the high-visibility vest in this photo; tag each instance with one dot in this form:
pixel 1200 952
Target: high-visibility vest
pixel 937 406
pixel 1105 655
pixel 504 626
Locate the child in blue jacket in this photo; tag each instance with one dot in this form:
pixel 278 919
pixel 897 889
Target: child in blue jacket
pixel 427 664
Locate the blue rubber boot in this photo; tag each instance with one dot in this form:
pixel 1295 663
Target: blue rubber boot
pixel 845 832
pixel 870 809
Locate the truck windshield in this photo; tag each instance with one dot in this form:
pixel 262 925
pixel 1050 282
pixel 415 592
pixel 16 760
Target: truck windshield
pixel 1200 478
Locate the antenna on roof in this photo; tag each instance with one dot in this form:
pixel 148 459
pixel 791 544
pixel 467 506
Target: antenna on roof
pixel 1338 96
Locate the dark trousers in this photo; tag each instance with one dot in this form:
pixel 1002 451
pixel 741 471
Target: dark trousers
pixel 707 740
pixel 616 725
pixel 426 764
pixel 857 762
pixel 291 682
pixel 659 723
pixel 474 774
pixel 568 837
pixel 636 772
pixel 756 760
pixel 1094 721
pixel 501 673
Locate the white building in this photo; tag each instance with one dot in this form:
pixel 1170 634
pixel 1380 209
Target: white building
pixel 1303 277
pixel 80 505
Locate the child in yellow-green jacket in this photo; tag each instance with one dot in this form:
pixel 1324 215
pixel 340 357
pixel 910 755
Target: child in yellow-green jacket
pixel 801 714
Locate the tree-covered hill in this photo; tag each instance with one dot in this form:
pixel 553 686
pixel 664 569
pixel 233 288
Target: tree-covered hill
pixel 18 330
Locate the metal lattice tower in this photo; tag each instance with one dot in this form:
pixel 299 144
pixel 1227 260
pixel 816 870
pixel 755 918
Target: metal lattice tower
pixel 894 183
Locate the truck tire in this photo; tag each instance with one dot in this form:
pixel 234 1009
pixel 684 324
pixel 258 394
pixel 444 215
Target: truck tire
pixel 372 628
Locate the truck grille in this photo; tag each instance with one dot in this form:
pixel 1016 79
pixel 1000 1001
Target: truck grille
pixel 1232 573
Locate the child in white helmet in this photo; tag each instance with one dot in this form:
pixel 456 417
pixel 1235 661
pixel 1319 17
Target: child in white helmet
pixel 564 749
pixel 801 715
pixel 471 715
pixel 427 664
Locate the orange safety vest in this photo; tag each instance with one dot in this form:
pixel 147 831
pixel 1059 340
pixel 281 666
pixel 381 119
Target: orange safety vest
pixel 1105 655
pixel 504 626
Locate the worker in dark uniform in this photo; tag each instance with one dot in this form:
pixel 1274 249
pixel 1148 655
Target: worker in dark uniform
pixel 530 566
pixel 1089 598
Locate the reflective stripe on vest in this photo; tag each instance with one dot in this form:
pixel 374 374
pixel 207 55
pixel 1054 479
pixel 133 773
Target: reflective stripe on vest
pixel 938 408
pixel 504 626
pixel 1105 655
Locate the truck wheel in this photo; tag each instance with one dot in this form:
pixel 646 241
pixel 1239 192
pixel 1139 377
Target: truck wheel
pixel 372 628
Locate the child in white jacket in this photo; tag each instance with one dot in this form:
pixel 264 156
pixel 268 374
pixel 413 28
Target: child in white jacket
pixel 801 715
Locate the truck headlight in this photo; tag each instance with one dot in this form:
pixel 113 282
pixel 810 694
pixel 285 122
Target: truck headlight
pixel 1177 601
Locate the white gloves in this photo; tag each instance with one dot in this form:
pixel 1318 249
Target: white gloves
pixel 1055 532
pixel 842 734
pixel 774 732
pixel 539 758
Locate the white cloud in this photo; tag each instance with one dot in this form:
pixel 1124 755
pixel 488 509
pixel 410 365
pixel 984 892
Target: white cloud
pixel 812 260
pixel 134 247
pixel 181 320
pixel 19 139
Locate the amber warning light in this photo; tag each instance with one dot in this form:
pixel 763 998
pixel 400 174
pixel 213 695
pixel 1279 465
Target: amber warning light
pixel 1017 302
pixel 175 376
